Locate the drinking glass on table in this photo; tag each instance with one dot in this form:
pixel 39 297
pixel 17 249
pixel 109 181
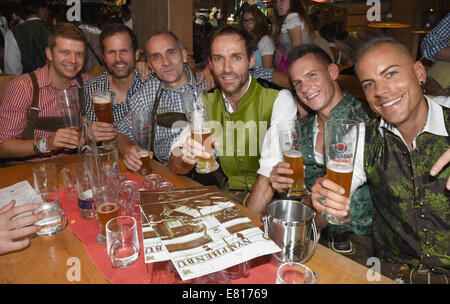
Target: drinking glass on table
pixel 104 109
pixel 142 132
pixel 294 273
pixel 69 107
pixel 45 178
pixel 104 174
pixel 196 106
pixel 122 241
pixel 341 142
pixel 289 137
pixel 128 191
pixel 55 219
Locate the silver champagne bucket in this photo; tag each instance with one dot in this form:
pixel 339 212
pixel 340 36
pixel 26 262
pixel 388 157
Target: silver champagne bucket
pixel 289 224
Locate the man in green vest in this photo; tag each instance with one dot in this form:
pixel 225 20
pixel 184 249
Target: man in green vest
pixel 314 77
pixel 244 111
pixel 411 223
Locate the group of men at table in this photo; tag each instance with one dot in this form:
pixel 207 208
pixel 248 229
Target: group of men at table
pixel 400 187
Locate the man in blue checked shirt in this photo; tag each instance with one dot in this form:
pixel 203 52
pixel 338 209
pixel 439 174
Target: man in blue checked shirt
pixel 436 47
pixel 170 76
pixel 120 52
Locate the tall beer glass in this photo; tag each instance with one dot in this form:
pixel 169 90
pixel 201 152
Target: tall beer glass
pixel 142 131
pixel 341 142
pixel 104 174
pixel 289 136
pixel 103 109
pixel 69 108
pixel 196 107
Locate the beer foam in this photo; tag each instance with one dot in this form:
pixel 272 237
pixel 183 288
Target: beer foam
pixel 203 131
pixel 292 154
pixel 101 100
pixel 340 168
pixel 144 153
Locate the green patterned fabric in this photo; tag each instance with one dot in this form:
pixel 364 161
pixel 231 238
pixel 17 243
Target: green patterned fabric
pixel 412 215
pixel 361 206
pixel 240 160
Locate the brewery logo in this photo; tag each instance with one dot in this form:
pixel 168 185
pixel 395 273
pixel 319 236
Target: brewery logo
pixel 341 147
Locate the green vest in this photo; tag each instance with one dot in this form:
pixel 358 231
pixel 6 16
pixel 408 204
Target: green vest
pixel 242 133
pixel 361 206
pixel 412 214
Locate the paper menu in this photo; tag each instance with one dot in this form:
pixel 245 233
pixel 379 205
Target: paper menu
pixel 21 192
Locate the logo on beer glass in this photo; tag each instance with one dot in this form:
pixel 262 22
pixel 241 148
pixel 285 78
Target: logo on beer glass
pixel 341 147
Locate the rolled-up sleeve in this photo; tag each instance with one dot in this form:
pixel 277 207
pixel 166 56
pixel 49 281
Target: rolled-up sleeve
pixel 284 109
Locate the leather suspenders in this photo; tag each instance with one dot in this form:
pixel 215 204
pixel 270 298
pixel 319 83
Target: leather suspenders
pixel 51 124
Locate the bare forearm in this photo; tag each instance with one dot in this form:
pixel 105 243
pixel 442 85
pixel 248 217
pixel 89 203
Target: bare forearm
pixel 16 148
pixel 261 195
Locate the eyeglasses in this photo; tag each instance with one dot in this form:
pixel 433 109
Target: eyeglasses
pixel 249 20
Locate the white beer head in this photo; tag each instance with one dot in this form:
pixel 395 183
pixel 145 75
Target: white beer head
pixel 340 167
pixel 101 97
pixel 292 154
pixel 143 153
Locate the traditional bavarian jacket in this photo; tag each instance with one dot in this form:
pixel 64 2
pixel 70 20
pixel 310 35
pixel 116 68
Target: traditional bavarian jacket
pixel 412 215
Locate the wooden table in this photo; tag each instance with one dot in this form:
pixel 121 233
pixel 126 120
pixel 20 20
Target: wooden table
pixel 51 259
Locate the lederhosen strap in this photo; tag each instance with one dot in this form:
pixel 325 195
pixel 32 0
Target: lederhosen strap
pixel 163 119
pixel 50 124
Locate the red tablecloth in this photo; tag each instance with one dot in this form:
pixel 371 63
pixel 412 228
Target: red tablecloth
pixel 261 272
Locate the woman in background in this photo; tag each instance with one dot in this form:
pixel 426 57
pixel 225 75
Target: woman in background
pixel 255 23
pixel 291 27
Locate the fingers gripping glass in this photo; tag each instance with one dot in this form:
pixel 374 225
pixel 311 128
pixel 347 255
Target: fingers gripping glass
pixel 196 106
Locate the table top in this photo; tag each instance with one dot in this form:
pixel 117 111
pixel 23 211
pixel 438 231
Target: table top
pixel 52 259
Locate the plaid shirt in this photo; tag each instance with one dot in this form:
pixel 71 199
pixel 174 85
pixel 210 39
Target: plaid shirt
pixel 171 101
pixel 102 83
pixel 437 39
pixel 16 100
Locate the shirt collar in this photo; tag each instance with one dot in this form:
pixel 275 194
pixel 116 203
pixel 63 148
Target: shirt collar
pixel 228 105
pixel 435 123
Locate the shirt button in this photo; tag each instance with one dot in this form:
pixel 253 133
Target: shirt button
pixel 428 255
pixel 425 230
pixel 427 243
pixel 309 156
pixel 421 204
pixel 315 167
pixel 422 215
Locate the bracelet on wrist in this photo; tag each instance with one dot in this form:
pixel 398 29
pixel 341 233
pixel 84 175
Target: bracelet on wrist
pixel 36 146
pixel 42 146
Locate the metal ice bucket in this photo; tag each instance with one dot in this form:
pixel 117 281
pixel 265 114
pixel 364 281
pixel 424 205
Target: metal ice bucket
pixel 289 224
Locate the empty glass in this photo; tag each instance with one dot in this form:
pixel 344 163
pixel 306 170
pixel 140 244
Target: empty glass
pixel 142 131
pixel 127 196
pixel 69 177
pixel 69 108
pixel 122 241
pixel 152 181
pixel 294 273
pixel 55 219
pixel 166 186
pixel 45 178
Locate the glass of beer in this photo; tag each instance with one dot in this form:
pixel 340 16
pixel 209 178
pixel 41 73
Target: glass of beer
pixel 104 174
pixel 196 108
pixel 340 143
pixel 103 108
pixel 289 136
pixel 142 132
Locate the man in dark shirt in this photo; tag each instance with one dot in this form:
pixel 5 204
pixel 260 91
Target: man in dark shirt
pixel 32 35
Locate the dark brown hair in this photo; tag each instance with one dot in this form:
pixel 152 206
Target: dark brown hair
pixel 296 6
pixel 302 50
pixel 261 27
pixel 229 29
pixel 116 28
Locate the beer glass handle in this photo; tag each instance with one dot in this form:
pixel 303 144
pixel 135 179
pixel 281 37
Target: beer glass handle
pixel 314 230
pixel 266 227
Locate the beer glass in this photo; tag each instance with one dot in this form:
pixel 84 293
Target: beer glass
pixel 55 219
pixel 289 136
pixel 196 106
pixel 104 174
pixel 103 108
pixel 294 273
pixel 69 108
pixel 340 142
pixel 45 177
pixel 142 132
pixel 122 241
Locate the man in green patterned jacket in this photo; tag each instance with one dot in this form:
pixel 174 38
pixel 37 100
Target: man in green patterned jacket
pixel 412 215
pixel 314 77
pixel 244 112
